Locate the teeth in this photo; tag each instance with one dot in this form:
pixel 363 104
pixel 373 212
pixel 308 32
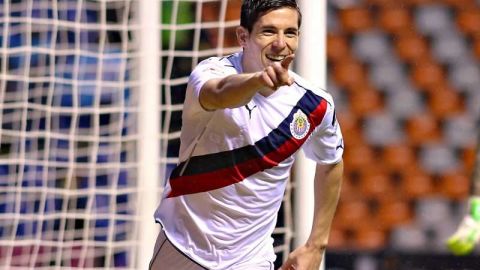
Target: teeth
pixel 276 57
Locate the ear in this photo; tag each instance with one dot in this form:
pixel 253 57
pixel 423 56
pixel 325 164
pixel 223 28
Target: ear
pixel 242 35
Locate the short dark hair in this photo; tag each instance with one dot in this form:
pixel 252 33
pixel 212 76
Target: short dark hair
pixel 253 9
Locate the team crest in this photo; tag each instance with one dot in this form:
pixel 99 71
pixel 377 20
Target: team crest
pixel 299 126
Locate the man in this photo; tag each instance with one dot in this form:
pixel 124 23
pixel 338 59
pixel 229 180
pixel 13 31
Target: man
pixel 464 240
pixel 244 118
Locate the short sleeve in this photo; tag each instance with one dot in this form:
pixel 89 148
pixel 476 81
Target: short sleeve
pixel 325 144
pixel 206 70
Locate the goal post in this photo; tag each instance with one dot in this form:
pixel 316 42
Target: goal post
pixel 311 64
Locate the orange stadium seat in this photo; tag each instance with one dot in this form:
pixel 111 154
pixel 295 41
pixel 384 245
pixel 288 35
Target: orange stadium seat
pixel 398 157
pixel 423 128
pixel 355 19
pixel 426 74
pixel 366 102
pixel 468 21
pixel 337 47
pixel 348 73
pixel 369 238
pixel 443 101
pixel 359 156
pixel 476 47
pixel 468 158
pixel 412 47
pixel 394 212
pixel 337 239
pixel 348 121
pixel 395 20
pixel 376 184
pixel 416 184
pixel 351 213
pixel 454 185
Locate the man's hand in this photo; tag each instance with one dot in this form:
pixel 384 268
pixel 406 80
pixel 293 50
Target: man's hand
pixel 276 75
pixel 463 241
pixel 303 258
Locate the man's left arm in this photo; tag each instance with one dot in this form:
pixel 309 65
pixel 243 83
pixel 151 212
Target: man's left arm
pixel 328 181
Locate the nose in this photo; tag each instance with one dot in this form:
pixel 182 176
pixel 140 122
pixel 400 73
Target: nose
pixel 280 42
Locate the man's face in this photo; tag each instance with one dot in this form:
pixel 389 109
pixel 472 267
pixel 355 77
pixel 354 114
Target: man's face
pixel 273 37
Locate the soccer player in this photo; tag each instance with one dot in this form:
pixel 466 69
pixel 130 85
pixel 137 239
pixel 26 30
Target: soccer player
pixel 245 116
pixel 463 241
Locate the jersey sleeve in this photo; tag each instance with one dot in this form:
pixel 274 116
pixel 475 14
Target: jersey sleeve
pixel 325 144
pixel 206 70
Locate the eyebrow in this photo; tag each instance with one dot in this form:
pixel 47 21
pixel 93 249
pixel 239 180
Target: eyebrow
pixel 273 27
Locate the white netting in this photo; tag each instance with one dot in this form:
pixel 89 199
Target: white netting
pixel 69 104
pixel 68 134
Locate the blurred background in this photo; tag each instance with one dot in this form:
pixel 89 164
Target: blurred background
pixel 405 76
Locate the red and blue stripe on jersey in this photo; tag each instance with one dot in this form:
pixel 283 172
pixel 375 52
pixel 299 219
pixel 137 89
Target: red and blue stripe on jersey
pixel 212 171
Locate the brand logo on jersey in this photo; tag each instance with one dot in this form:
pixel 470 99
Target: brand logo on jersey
pixel 299 126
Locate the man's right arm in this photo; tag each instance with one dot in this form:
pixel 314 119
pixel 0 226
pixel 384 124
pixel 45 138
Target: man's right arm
pixel 229 92
pixel 237 90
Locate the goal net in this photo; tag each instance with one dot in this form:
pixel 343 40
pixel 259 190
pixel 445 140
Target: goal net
pixel 71 98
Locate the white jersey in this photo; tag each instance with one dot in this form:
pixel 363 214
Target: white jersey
pixel 221 202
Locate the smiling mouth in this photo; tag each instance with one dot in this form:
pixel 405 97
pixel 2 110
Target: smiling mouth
pixel 275 58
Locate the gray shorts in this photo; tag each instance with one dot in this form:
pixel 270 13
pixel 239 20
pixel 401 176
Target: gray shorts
pixel 168 257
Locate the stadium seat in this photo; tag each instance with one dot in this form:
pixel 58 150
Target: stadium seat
pixel 454 185
pixel 432 210
pixel 348 73
pixel 449 46
pixel 460 131
pixel 366 102
pixel 468 156
pixel 394 212
pixel 412 47
pixel 371 46
pixel 369 238
pixel 355 19
pixel 351 130
pixel 438 158
pixel 476 47
pixel 408 238
pixel 464 74
pixel 427 74
pixel 468 21
pixel 472 100
pixel 433 19
pixel 359 156
pixel 395 20
pixel 376 184
pixel 416 184
pixel 404 101
pixel 381 129
pixel 398 157
pixel 387 71
pixel 444 101
pixel 337 47
pixel 423 128
pixel 351 214
pixel 337 239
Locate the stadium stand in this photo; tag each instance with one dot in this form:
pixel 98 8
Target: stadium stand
pixel 410 74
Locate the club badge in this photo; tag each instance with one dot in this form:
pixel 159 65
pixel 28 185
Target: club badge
pixel 299 126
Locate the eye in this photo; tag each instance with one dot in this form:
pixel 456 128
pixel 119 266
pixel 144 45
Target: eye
pixel 291 34
pixel 268 32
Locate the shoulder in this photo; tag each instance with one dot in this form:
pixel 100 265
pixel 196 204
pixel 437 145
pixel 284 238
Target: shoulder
pixel 310 87
pixel 227 63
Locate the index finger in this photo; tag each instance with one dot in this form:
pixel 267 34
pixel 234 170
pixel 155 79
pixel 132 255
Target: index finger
pixel 288 59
